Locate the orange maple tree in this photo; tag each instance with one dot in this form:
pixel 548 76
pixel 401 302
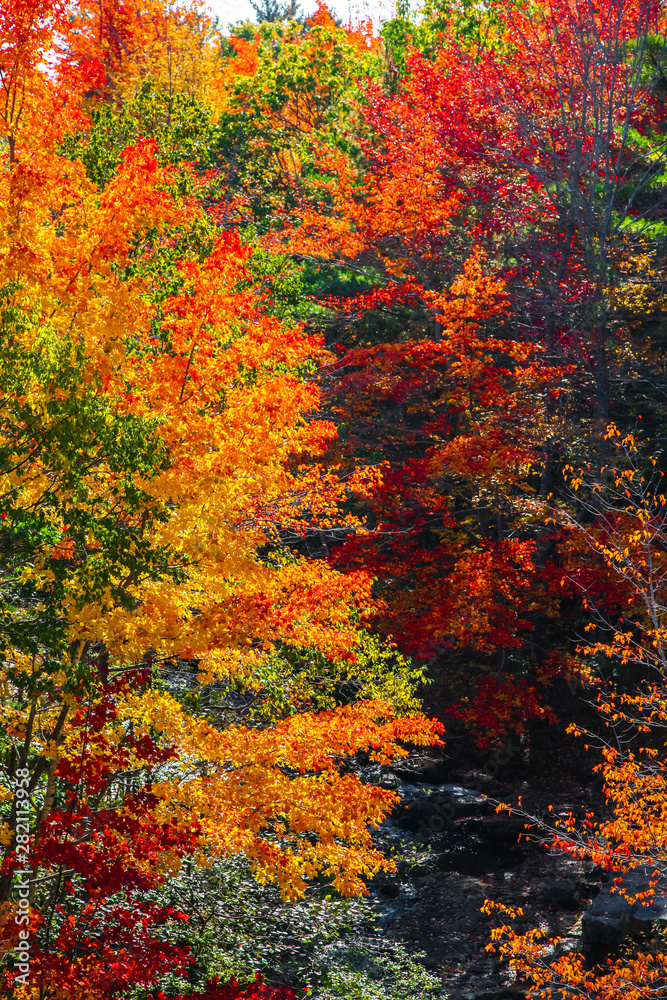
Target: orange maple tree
pixel 158 434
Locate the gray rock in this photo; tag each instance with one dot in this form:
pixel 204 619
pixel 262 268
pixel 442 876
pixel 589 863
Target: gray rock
pixel 605 930
pixel 430 811
pixel 560 892
pixel 644 918
pixel 431 772
pixel 611 917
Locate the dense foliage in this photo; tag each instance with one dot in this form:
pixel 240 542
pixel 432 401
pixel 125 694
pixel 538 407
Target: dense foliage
pixel 328 363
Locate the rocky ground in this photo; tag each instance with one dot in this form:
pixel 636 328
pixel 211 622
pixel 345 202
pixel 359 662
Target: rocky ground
pixel 454 851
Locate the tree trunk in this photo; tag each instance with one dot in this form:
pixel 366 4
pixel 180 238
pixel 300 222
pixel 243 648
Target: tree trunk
pixel 601 381
pixel 601 369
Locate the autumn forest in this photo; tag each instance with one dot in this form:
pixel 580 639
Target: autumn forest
pixel 333 529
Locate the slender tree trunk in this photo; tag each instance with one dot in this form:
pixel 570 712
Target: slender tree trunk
pixel 547 474
pixel 601 367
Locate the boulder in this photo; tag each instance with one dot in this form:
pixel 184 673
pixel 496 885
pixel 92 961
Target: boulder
pixel 429 812
pixel 611 917
pixel 605 923
pixel 644 918
pixel 430 772
pixel 560 892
